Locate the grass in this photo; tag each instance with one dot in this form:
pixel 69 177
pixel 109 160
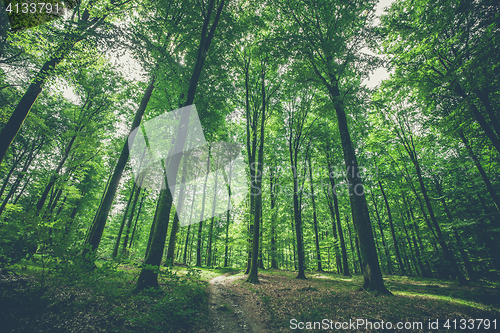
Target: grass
pixel 102 301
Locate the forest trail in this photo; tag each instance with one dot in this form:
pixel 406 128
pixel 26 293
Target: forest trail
pixel 233 308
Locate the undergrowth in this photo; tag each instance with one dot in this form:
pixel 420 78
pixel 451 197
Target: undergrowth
pixel 67 297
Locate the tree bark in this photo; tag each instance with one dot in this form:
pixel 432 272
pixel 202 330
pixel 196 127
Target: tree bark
pixel 372 274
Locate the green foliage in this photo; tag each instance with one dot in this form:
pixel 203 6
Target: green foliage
pixel 17 241
pixel 182 307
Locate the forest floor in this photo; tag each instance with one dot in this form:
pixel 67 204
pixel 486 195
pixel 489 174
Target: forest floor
pixel 219 300
pixel 424 305
pixel 232 308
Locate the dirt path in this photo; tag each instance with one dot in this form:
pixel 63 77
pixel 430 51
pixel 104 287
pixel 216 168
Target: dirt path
pixel 234 309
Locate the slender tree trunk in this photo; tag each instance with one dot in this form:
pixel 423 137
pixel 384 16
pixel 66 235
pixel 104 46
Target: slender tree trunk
pixel 53 178
pixel 486 180
pixel 20 192
pixel 31 156
pixel 184 259
pixel 274 212
pixel 413 226
pixel 13 167
pixel 412 253
pixel 393 233
pixel 226 242
pixel 386 249
pixel 256 190
pixel 447 253
pixel 135 223
pixel 345 263
pixel 178 211
pixel 200 228
pixel 95 234
pixel 211 229
pixel 122 224
pixel 495 140
pixel 353 250
pixel 131 218
pixel 315 220
pixel 186 242
pixel 23 108
pixel 298 230
pixel 261 239
pixel 293 243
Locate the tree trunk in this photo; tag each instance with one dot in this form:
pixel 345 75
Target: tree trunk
pixel 226 242
pixel 122 224
pixel 386 249
pixel 53 178
pixel 345 263
pixel 95 234
pixel 256 190
pixel 31 156
pixel 23 108
pixel 274 212
pixel 293 243
pixel 135 223
pixel 372 274
pixel 486 180
pixel 393 233
pixel 357 251
pixel 447 253
pixel 211 229
pixel 131 217
pixel 186 242
pixel 495 140
pixel 147 277
pixel 315 220
pixel 200 228
pixel 184 258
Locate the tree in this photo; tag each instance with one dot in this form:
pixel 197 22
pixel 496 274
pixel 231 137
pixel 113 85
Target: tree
pixel 148 277
pixel 79 27
pixel 333 55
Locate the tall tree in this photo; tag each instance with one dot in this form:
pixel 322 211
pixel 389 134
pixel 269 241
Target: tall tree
pixel 333 55
pixel 148 277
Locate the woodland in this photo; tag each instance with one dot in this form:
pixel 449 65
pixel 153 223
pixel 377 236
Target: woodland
pixel 384 195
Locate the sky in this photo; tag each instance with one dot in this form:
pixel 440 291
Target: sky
pixel 131 69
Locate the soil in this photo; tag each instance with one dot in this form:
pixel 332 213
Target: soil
pixel 234 309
